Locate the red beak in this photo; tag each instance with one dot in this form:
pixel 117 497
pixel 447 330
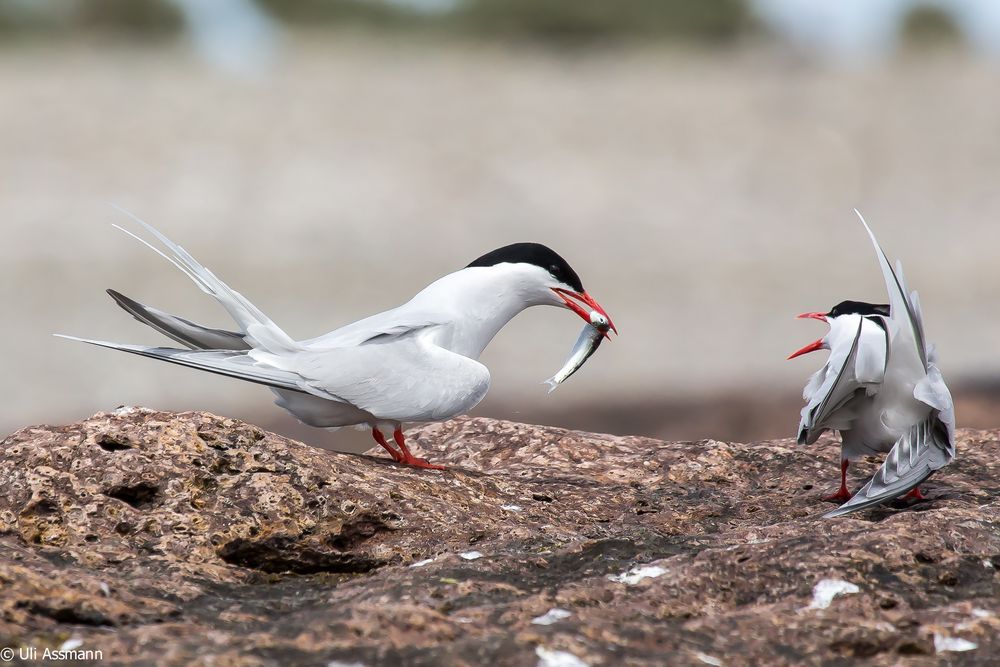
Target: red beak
pixel 816 344
pixel 811 347
pixel 571 298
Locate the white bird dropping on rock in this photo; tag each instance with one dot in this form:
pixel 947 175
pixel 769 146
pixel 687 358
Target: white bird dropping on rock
pixel 637 574
pixel 547 658
pixel 551 616
pixel 827 589
pixel 943 644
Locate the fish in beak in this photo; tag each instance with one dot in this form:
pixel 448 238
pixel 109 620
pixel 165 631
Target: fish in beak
pixel 594 314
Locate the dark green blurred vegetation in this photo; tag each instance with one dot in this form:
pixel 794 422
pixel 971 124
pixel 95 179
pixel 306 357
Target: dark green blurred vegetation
pixel 544 20
pixel 714 20
pixel 930 26
pixel 550 22
pixel 141 18
pixel 568 20
pixel 349 14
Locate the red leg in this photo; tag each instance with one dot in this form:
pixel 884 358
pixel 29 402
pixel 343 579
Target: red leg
pixel 380 439
pixel 843 495
pixel 408 457
pixel 915 494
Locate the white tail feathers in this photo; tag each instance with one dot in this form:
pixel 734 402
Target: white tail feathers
pixel 260 331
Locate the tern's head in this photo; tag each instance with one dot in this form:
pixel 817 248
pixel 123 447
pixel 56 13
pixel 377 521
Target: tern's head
pixel 838 315
pixel 544 278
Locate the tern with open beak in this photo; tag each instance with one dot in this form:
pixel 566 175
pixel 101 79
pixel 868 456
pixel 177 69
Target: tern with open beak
pixel 414 363
pixel 882 390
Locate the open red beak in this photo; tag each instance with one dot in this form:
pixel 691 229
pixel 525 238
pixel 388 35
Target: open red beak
pixel 570 298
pixel 816 344
pixel 811 347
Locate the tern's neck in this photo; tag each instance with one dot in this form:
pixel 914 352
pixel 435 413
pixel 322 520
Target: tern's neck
pixel 480 302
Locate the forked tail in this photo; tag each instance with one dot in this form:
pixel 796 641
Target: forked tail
pixel 257 328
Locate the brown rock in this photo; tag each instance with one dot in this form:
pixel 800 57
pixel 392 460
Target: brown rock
pixel 192 539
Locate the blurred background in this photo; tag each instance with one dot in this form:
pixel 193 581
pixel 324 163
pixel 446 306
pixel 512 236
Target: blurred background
pixel 696 162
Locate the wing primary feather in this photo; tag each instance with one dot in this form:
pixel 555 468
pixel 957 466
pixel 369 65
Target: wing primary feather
pixel 823 410
pixel 220 362
pixel 915 456
pixel 179 329
pixel 897 291
pixel 254 323
pixel 162 254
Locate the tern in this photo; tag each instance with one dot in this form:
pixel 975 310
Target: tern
pixel 414 363
pixel 880 388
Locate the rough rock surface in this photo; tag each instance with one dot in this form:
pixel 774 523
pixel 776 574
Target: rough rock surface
pixel 182 539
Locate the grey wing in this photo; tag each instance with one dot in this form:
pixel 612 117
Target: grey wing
pixel 253 323
pixel 395 322
pixel 926 447
pixel 829 390
pixel 183 331
pixel 929 444
pixel 231 363
pixel 905 317
pixel 403 379
pixel 934 392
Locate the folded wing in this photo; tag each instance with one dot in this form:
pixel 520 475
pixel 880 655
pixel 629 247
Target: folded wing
pixel 858 357
pixel 405 378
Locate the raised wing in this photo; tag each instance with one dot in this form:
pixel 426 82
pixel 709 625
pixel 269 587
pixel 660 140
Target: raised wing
pixel 906 327
pixel 929 444
pixel 858 357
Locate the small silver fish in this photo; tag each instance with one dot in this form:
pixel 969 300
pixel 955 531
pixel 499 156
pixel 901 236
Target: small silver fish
pixel 586 344
pixel 599 322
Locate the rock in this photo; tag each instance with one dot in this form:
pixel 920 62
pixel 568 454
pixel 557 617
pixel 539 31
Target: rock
pixel 192 539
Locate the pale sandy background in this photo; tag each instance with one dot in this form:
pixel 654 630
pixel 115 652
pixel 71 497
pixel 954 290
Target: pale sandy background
pixel 704 196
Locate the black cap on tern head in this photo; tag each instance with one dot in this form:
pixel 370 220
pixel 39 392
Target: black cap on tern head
pixel 859 308
pixel 862 308
pixel 533 253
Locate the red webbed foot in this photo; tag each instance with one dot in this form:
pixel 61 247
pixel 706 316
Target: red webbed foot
pixel 408 457
pixel 843 495
pixel 421 463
